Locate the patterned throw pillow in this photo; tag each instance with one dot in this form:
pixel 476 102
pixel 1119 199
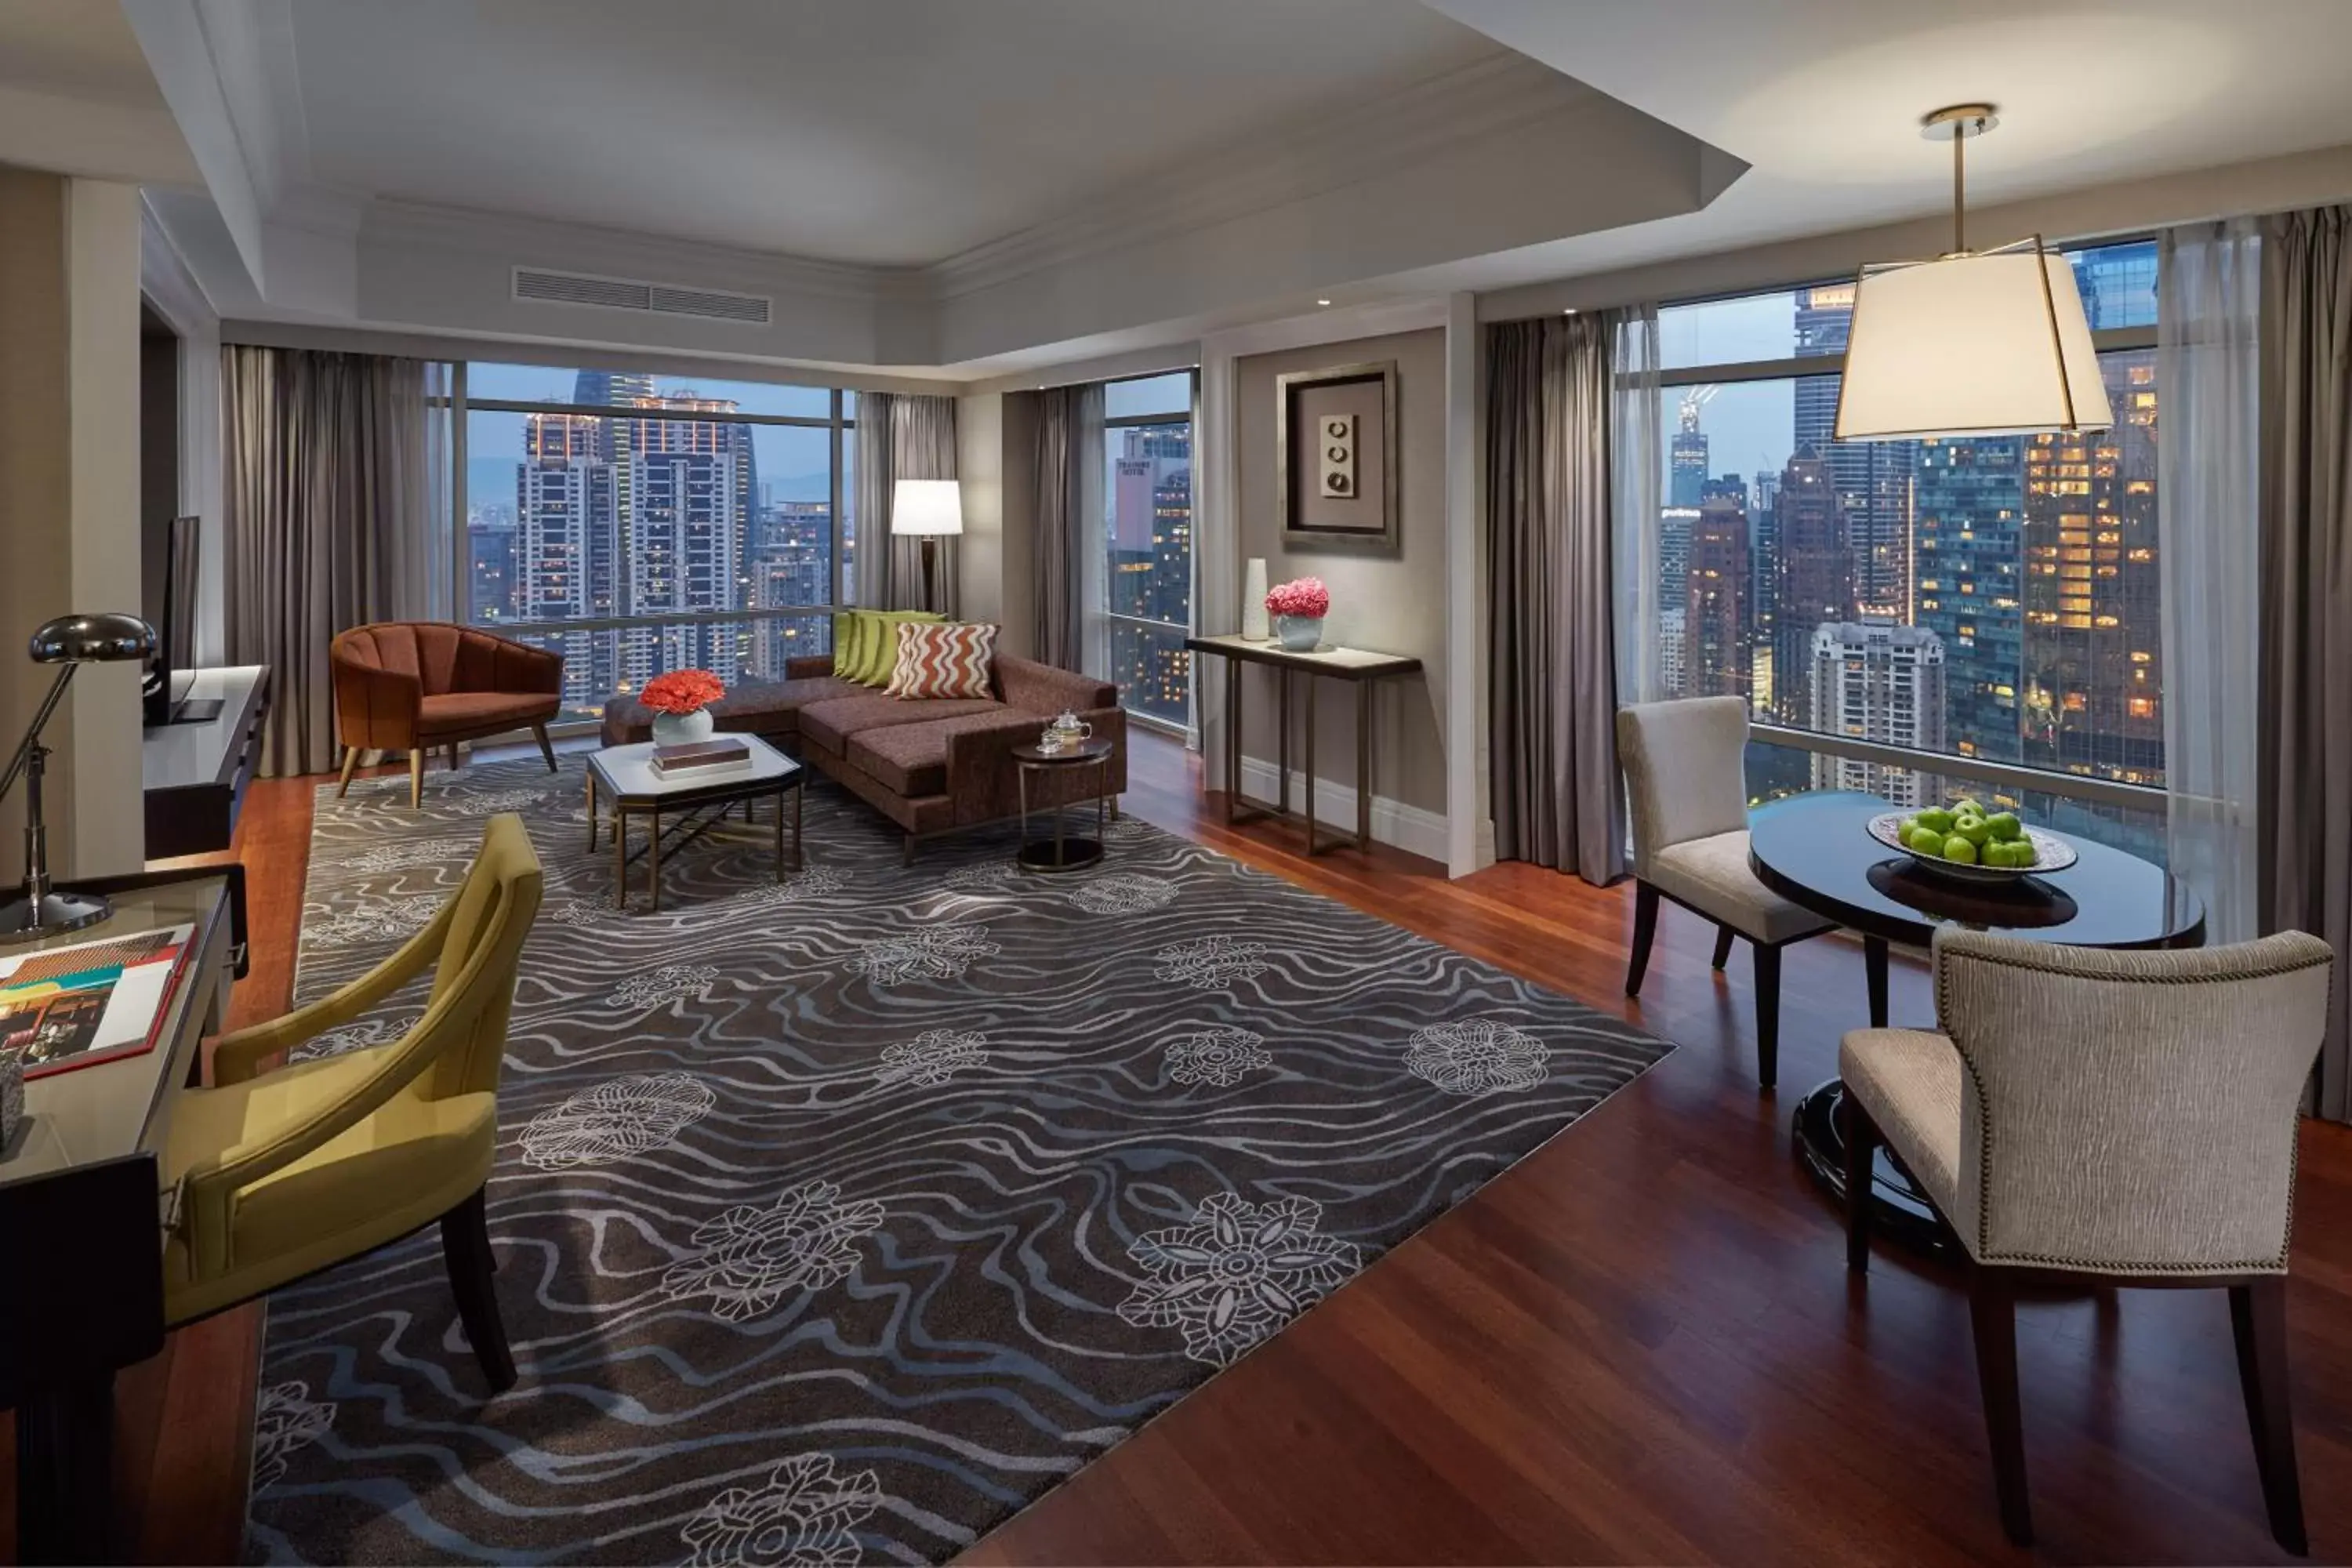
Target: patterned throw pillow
pixel 944 660
pixel 878 652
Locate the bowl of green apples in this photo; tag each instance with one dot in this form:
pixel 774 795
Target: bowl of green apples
pixel 1965 842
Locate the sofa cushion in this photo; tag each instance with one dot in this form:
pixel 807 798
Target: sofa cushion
pixel 911 760
pixel 749 708
pixel 944 661
pixel 460 712
pixel 831 724
pixel 877 647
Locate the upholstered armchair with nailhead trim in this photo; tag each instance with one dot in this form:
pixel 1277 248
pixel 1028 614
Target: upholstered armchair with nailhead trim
pixel 2105 1118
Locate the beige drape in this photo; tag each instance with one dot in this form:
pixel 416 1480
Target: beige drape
pixel 1066 415
pixel 328 482
pixel 902 438
pixel 2306 621
pixel 1557 798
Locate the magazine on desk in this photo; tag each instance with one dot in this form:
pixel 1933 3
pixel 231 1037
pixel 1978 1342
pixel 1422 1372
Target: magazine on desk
pixel 67 1007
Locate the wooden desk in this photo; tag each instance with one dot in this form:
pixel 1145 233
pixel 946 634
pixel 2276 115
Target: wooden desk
pixel 1331 662
pixel 81 1224
pixel 195 775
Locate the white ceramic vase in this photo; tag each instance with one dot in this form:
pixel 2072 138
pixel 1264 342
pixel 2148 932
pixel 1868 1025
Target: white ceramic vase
pixel 680 728
pixel 1253 624
pixel 1299 634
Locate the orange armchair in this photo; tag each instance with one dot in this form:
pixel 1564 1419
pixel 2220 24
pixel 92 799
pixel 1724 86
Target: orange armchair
pixel 409 686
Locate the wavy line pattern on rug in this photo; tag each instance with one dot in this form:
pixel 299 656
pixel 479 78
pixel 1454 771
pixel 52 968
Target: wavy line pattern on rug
pixel 839 1217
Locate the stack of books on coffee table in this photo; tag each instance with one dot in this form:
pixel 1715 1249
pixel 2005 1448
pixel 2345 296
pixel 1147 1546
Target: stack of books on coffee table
pixel 695 758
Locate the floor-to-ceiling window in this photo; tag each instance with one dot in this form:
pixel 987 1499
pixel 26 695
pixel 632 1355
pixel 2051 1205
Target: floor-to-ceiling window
pixel 637 523
pixel 1147 544
pixel 1994 599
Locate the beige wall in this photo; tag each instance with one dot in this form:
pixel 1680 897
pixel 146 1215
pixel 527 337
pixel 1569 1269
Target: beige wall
pixel 1018 555
pixel 1390 603
pixel 69 498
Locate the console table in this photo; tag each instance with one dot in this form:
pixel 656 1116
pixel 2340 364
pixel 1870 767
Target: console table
pixel 195 773
pixel 1363 668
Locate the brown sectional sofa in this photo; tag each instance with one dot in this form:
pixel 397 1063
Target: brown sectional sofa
pixel 933 766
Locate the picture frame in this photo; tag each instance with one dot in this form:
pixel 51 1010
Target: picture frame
pixel 1337 491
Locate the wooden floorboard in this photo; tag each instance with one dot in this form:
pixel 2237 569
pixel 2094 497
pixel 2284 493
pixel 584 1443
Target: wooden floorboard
pixel 1638 1345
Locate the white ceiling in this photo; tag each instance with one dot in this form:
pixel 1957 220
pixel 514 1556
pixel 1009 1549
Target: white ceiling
pixel 895 132
pixel 1823 98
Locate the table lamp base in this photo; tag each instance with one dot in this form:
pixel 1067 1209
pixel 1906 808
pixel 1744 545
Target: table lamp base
pixel 24 919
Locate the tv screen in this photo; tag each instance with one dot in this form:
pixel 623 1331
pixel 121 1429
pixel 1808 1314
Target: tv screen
pixel 167 577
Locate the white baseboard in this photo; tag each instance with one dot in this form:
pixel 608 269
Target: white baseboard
pixel 1407 827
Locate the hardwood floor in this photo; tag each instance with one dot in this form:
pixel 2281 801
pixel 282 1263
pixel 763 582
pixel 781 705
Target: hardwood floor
pixel 1641 1344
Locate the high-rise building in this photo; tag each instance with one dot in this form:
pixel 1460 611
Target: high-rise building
pixel 1715 630
pixel 1876 681
pixel 1686 458
pixel 566 545
pixel 1873 477
pixel 1674 525
pixel 2092 595
pixel 490 576
pixel 1813 585
pixel 1971 564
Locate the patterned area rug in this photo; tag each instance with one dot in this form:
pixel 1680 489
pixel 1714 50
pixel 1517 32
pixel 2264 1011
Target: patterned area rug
pixel 837 1219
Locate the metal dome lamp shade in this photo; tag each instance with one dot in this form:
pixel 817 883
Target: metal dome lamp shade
pixel 68 642
pixel 1991 342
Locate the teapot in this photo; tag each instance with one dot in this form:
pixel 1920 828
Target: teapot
pixel 1069 729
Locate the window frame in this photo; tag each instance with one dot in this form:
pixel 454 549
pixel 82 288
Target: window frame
pixel 1100 552
pixel 2007 776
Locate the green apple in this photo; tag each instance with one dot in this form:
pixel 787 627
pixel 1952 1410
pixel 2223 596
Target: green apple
pixel 1936 817
pixel 2005 825
pixel 1925 840
pixel 1966 807
pixel 1960 849
pixel 1974 829
pixel 2018 854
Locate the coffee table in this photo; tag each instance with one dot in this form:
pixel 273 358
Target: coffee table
pixel 1815 850
pixel 632 788
pixel 1060 853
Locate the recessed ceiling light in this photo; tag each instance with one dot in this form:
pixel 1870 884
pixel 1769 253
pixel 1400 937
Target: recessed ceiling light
pixel 1569 310
pixel 1322 302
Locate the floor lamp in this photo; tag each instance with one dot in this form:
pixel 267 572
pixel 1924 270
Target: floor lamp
pixel 928 510
pixel 69 642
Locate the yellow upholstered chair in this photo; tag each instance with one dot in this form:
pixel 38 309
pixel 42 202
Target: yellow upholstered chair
pixel 283 1173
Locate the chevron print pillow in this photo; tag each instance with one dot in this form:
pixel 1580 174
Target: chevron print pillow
pixel 944 660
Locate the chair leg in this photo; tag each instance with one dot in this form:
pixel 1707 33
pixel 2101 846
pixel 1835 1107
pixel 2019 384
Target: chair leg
pixel 466 1246
pixel 1645 931
pixel 350 760
pixel 1722 945
pixel 2257 1316
pixel 416 778
pixel 906 851
pixel 1767 1012
pixel 1993 1312
pixel 1860 1159
pixel 452 756
pixel 546 746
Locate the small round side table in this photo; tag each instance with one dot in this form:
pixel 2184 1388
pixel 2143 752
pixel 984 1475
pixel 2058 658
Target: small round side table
pixel 1061 853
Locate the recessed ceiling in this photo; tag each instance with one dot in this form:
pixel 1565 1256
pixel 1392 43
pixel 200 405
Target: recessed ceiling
pixel 891 131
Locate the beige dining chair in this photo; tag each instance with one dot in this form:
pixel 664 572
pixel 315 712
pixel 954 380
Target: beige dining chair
pixel 2103 1118
pixel 1685 772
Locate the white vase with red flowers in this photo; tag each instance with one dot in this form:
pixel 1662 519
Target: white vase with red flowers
pixel 681 700
pixel 1298 607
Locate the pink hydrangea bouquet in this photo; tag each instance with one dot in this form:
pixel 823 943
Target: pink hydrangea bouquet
pixel 1304 597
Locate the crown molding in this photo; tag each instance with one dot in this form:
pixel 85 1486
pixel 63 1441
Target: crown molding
pixel 1269 168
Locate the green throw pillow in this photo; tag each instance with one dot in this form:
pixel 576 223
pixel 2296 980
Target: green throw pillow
pixel 846 628
pixel 878 655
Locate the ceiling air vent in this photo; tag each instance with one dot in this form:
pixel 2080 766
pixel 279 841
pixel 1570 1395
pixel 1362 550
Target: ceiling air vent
pixel 535 283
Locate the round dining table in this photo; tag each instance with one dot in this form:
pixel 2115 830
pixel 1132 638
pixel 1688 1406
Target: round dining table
pixel 1815 850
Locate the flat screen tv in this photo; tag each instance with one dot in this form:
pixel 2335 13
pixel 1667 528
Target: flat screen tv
pixel 167 577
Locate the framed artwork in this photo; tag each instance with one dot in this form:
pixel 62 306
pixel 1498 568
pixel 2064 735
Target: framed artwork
pixel 1335 457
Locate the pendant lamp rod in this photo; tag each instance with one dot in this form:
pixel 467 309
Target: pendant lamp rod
pixel 1958 122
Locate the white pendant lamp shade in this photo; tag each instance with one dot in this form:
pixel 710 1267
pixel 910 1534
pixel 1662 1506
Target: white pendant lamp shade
pixel 926 507
pixel 1985 343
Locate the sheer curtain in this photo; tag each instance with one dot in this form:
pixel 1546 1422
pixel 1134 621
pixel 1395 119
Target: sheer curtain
pixel 877 471
pixel 922 447
pixel 2209 492
pixel 2306 543
pixel 1557 792
pixel 1636 456
pixel 328 487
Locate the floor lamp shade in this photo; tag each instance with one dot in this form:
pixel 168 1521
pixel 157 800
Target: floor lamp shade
pixel 926 507
pixel 1983 344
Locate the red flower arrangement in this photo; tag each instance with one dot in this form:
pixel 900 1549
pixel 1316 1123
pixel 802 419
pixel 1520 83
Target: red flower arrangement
pixel 1306 596
pixel 682 691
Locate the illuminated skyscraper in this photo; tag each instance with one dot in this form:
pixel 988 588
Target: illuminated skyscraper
pixel 1686 461
pixel 1875 680
pixel 1971 564
pixel 1715 630
pixel 1873 477
pixel 1814 572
